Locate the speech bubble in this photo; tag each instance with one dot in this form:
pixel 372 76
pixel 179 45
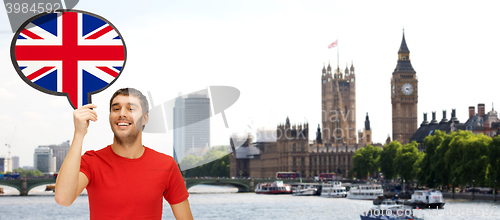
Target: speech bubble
pixel 19 11
pixel 68 53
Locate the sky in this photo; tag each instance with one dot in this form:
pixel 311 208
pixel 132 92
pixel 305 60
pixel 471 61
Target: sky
pixel 273 53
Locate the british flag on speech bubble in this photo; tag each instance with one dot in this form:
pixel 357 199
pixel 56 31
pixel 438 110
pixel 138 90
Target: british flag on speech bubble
pixel 71 53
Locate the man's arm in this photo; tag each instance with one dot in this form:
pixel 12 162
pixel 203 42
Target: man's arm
pixel 70 181
pixel 182 211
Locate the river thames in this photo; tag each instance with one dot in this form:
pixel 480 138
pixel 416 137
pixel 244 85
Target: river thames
pixel 218 202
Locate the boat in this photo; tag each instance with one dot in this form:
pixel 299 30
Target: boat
pixel 333 190
pixel 369 192
pixel 379 200
pixel 390 212
pixel 305 189
pixel 430 198
pixel 50 188
pixel 276 187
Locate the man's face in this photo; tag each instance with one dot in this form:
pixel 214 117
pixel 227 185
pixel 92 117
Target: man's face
pixel 126 118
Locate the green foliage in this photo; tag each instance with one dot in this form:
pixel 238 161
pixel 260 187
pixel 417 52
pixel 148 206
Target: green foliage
pixel 386 161
pixel 460 156
pixel 365 161
pixel 214 163
pixel 494 162
pixel 467 157
pixel 405 159
pixel 425 172
pixel 28 173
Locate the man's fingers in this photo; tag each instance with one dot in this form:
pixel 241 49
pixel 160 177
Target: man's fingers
pixel 88 106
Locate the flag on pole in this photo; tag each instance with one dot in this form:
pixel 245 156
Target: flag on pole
pixel 332 45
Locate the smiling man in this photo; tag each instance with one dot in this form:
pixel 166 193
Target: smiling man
pixel 124 180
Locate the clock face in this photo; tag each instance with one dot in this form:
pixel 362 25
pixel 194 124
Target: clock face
pixel 407 89
pixel 393 89
pixel 352 79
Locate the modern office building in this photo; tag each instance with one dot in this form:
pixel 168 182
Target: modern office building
pixel 179 131
pixel 5 164
pixel 15 162
pixel 59 152
pixel 44 160
pixel 191 125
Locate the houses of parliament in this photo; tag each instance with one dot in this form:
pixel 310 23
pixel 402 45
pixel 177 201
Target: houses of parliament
pixel 289 147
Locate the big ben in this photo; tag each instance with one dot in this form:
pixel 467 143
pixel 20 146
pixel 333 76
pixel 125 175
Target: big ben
pixel 404 97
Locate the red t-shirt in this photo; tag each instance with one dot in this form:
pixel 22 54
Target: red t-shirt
pixel 122 188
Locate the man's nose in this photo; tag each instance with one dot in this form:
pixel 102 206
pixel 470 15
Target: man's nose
pixel 123 112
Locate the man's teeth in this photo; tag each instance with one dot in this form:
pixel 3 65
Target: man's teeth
pixel 122 124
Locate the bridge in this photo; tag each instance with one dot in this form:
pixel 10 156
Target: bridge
pixel 243 185
pixel 25 185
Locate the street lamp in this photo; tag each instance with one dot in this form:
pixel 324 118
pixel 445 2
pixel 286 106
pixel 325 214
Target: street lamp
pixel 453 189
pixel 473 181
pixel 495 191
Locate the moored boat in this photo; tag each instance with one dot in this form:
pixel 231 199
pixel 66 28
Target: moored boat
pixel 431 198
pixel 369 192
pixel 333 190
pixel 305 189
pixel 277 187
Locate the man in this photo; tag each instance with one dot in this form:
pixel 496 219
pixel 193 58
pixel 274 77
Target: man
pixel 124 180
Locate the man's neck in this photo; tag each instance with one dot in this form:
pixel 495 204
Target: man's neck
pixel 131 150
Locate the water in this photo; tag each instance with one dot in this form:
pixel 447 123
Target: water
pixel 216 202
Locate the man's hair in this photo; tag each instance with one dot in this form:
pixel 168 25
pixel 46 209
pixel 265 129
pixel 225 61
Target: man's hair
pixel 133 92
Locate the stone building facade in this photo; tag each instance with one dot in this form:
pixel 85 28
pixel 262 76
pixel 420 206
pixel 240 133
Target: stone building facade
pixel 292 149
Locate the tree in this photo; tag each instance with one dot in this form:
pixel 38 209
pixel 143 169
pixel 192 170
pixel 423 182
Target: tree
pixel 28 173
pixel 494 162
pixel 386 161
pixel 425 172
pixel 365 161
pixel 405 160
pixel 467 158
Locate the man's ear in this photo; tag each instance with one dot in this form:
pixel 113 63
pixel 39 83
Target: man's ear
pixel 145 118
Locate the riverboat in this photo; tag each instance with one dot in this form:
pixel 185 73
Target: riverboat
pixel 390 212
pixel 305 189
pixel 431 198
pixel 333 190
pixel 369 192
pixel 277 187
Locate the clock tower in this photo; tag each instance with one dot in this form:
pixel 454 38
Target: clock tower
pixel 404 97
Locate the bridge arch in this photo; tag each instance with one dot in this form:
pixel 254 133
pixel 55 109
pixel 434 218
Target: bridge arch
pixel 243 186
pixel 25 185
pixel 17 187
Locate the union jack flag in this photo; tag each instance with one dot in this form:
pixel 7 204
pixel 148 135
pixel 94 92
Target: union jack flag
pixel 332 45
pixel 72 53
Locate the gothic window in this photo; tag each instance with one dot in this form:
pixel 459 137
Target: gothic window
pixel 302 161
pixel 293 162
pixel 302 147
pixel 293 147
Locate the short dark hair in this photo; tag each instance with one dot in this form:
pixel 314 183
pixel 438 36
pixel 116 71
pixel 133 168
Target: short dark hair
pixel 133 92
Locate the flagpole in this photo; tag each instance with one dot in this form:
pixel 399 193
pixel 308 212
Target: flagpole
pixel 338 52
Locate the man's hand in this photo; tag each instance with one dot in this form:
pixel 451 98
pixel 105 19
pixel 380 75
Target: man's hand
pixel 70 181
pixel 82 116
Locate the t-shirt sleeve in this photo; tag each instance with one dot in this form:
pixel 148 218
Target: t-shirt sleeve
pixel 176 190
pixel 85 165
